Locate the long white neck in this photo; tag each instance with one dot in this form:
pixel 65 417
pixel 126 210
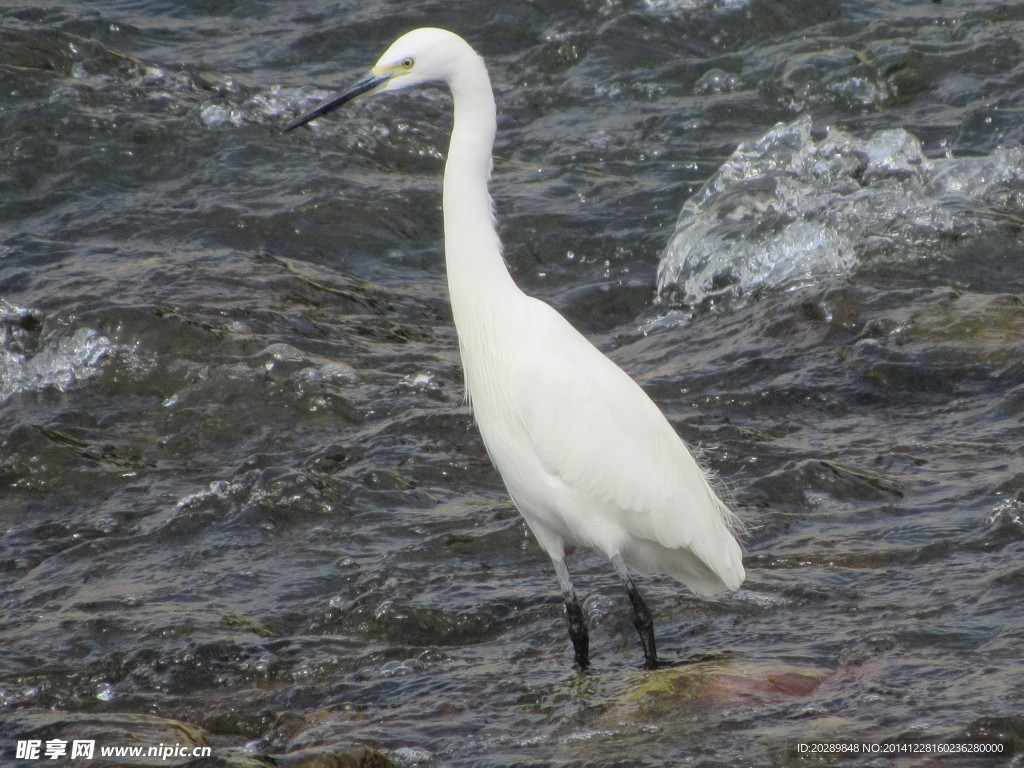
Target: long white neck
pixel 477 276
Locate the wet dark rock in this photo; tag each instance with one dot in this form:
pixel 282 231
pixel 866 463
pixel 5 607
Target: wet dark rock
pixel 1005 730
pixel 348 757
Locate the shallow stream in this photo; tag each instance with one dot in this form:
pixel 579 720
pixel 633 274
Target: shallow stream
pixel 243 505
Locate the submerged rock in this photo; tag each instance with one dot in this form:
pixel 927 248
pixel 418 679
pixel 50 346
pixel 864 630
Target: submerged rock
pixel 356 756
pixel 727 683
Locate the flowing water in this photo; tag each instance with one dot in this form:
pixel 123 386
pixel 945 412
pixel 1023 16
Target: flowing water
pixel 243 503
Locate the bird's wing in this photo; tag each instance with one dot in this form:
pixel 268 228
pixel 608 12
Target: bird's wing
pixel 593 427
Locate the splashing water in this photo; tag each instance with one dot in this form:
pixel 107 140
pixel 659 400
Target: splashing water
pixel 789 209
pixel 59 364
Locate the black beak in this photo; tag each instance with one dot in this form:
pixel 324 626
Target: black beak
pixel 367 84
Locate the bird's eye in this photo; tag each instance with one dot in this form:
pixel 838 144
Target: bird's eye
pixel 407 63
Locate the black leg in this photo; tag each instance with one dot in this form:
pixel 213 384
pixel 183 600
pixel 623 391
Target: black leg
pixel 641 615
pixel 578 631
pixel 574 615
pixel 644 625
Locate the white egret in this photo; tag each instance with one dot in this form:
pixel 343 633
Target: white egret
pixel 586 455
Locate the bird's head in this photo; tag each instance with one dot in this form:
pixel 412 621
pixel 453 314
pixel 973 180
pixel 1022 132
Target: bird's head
pixel 421 56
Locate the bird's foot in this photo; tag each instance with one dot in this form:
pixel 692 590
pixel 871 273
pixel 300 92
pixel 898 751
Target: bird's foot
pixel 659 663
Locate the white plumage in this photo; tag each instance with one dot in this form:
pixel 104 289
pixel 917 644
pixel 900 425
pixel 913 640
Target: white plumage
pixel 586 455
